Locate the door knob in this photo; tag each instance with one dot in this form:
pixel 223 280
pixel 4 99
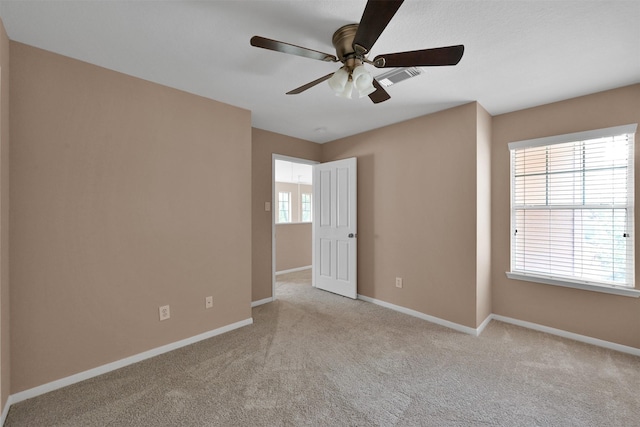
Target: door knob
pixel 351 235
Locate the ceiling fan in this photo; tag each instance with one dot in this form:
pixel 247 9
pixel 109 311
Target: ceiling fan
pixel 353 42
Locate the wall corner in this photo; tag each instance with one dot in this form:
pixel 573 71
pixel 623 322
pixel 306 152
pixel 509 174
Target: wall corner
pixel 5 355
pixel 483 214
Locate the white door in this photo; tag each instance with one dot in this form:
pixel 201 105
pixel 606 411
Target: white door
pixel 334 227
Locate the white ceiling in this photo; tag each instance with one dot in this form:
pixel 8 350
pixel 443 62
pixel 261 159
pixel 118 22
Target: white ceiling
pixel 295 173
pixel 518 53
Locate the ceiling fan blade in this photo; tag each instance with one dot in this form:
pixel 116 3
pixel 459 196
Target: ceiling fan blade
pixel 309 85
pixel 380 95
pixel 291 49
pixel 376 16
pixel 449 55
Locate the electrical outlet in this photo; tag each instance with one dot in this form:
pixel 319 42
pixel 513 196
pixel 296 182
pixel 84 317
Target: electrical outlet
pixel 208 302
pixel 165 312
pixel 267 206
pixel 398 282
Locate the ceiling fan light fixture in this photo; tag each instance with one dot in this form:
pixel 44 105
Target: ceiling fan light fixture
pixel 363 81
pixel 353 42
pixel 346 92
pixel 339 80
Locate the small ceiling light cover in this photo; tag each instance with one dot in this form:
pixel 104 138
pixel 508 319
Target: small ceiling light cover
pixel 363 81
pixel 339 81
pixel 346 92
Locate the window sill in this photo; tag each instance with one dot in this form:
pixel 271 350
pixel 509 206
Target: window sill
pixel 607 289
pixel 294 223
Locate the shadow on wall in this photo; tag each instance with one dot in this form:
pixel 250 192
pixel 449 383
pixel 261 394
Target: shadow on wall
pixel 366 224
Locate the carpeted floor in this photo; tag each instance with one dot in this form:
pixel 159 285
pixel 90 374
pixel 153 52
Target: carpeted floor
pixel 316 359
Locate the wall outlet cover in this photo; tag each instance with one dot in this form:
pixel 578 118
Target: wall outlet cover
pixel 165 312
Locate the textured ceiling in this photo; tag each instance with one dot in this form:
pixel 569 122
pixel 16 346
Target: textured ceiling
pixel 518 53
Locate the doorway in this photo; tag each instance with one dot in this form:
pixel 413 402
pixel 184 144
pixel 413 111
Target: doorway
pixel 292 215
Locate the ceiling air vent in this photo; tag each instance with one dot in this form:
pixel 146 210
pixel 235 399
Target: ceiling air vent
pixel 397 75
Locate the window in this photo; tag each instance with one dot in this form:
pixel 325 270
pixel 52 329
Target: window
pixel 572 209
pixel 284 207
pixel 306 207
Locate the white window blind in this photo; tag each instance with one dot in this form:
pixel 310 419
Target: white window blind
pixel 572 207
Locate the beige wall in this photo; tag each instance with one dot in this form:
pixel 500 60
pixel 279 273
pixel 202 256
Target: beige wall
pixel 5 345
pixel 293 246
pixel 293 241
pixel 603 316
pixel 116 192
pixel 263 145
pixel 417 212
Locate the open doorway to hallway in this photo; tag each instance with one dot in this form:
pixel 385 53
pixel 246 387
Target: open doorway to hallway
pixel 292 227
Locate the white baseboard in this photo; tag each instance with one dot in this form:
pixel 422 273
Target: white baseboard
pixel 455 326
pixel 293 270
pixel 529 325
pixel 81 376
pixel 5 411
pixel 260 302
pixel 483 325
pixel 570 335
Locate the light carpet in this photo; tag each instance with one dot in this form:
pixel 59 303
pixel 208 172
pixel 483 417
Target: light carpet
pixel 312 358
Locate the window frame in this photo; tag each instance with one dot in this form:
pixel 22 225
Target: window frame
pixel 288 201
pixel 302 211
pixel 576 284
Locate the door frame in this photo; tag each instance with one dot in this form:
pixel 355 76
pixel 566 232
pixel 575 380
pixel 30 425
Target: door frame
pixel 275 157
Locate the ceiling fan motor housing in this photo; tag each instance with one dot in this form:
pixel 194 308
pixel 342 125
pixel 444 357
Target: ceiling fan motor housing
pixel 343 42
